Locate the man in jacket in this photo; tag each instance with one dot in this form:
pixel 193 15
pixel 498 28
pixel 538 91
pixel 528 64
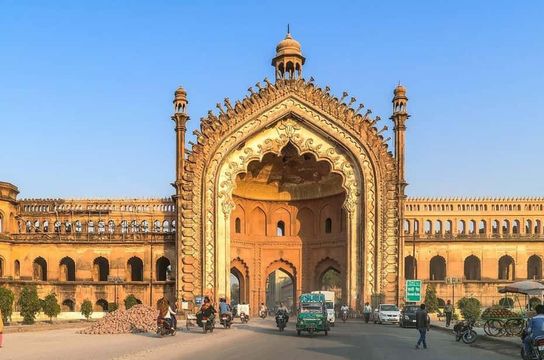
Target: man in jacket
pixel 534 329
pixel 423 323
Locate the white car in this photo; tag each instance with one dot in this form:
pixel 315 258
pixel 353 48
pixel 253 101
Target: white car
pixel 387 313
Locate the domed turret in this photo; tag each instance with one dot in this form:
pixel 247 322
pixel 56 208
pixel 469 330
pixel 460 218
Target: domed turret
pixel 399 99
pixel 288 60
pixel 180 101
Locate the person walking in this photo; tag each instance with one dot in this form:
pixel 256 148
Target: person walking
pixel 423 323
pixel 367 310
pixel 448 310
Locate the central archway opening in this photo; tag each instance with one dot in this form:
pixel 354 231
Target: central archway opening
pixel 288 209
pixel 280 289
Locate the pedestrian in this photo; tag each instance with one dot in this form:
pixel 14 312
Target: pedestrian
pixel 448 310
pixel 367 310
pixel 1 328
pixel 423 323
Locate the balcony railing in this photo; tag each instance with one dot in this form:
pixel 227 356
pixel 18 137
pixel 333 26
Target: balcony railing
pixel 93 237
pixel 473 237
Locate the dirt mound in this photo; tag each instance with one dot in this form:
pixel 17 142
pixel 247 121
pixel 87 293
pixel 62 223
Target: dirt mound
pixel 139 318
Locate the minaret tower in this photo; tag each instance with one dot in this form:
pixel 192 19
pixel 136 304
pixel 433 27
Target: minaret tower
pixel 288 60
pixel 399 117
pixel 180 117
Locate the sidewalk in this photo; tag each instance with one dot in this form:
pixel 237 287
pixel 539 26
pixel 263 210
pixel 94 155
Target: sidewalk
pixel 513 341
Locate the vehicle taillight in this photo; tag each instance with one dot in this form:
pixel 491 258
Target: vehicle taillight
pixel 540 342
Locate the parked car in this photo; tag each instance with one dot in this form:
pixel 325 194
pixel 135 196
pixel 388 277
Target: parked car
pixel 408 316
pixel 386 313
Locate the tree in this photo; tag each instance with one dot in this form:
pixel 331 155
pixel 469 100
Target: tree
pixel 112 307
pixel 50 306
pixel 431 301
pixel 130 301
pixel 470 308
pixel 87 309
pixel 6 303
pixel 29 304
pixel 534 301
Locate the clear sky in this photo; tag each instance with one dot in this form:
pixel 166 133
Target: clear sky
pixel 86 86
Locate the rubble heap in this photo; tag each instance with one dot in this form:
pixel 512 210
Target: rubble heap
pixel 139 318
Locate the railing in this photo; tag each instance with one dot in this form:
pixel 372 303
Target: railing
pixel 473 237
pixel 91 237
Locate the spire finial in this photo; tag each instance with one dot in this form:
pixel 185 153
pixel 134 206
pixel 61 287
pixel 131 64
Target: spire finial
pixel 288 30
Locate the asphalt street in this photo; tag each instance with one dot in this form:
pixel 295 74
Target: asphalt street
pixel 257 340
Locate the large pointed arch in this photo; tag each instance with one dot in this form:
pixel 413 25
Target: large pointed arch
pixel 323 116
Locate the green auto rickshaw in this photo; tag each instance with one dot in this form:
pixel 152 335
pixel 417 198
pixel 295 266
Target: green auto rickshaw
pixel 312 314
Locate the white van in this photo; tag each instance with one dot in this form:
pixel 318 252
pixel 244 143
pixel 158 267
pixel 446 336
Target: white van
pixel 329 302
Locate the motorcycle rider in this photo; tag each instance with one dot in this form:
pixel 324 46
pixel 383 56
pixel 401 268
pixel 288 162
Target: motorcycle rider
pixel 344 309
pixel 282 310
pixel 206 311
pixel 263 310
pixel 224 308
pixel 534 329
pixel 367 310
pixel 166 313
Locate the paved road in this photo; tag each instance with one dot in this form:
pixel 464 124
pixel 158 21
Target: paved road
pixel 257 340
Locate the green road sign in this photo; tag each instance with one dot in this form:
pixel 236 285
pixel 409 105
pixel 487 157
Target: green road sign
pixel 413 290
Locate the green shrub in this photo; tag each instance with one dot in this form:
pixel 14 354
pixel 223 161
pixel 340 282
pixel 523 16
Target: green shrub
pixel 534 301
pixel 87 309
pixel 50 306
pixel 29 304
pixel 431 301
pixel 112 307
pixel 6 303
pixel 130 301
pixel 469 307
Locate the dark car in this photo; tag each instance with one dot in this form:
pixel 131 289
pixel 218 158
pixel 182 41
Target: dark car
pixel 408 316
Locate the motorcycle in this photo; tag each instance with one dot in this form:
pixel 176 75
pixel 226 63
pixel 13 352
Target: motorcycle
pixel 536 349
pixel 463 330
pixel 244 318
pixel 226 320
pixel 281 321
pixel 344 315
pixel 207 324
pixel 164 328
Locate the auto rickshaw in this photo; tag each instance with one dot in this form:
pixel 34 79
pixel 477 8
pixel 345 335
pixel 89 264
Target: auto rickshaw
pixel 312 314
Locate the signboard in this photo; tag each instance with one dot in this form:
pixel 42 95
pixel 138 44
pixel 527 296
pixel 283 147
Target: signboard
pixel 413 290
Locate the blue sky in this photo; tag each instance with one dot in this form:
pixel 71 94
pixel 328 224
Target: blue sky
pixel 86 86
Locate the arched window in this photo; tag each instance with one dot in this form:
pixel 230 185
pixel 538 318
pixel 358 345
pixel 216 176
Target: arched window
pixel 78 226
pixel 90 227
pixel 163 269
pixel 156 226
pixel 506 268
pixel 495 227
pixel 17 269
pixel 134 226
pixel 416 227
pixel 1 267
pixel 472 268
pixel 506 227
pixel 537 227
pixel 135 269
pixel 438 227
pixel 111 226
pixel 45 226
pixel 67 269
pixel 124 226
pixel 165 226
pixel 1 224
pixel 410 267
pixel 437 268
pixel 28 226
pixel 237 226
pixel 101 226
pixel 448 227
pixel 68 305
pixel 515 227
pixel 472 227
pixel 101 269
pixel 406 226
pixel 528 227
pixel 280 229
pixel 534 267
pixel 328 226
pixel 57 226
pixel 101 305
pixel 145 226
pixel 39 267
pixel 461 227
pixel 482 227
pixel 428 226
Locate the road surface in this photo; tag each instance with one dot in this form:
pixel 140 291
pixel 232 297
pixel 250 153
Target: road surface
pixel 257 340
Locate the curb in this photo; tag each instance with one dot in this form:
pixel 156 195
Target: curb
pixel 485 338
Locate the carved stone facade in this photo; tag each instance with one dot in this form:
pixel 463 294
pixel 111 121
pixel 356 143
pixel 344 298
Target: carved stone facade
pixel 289 178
